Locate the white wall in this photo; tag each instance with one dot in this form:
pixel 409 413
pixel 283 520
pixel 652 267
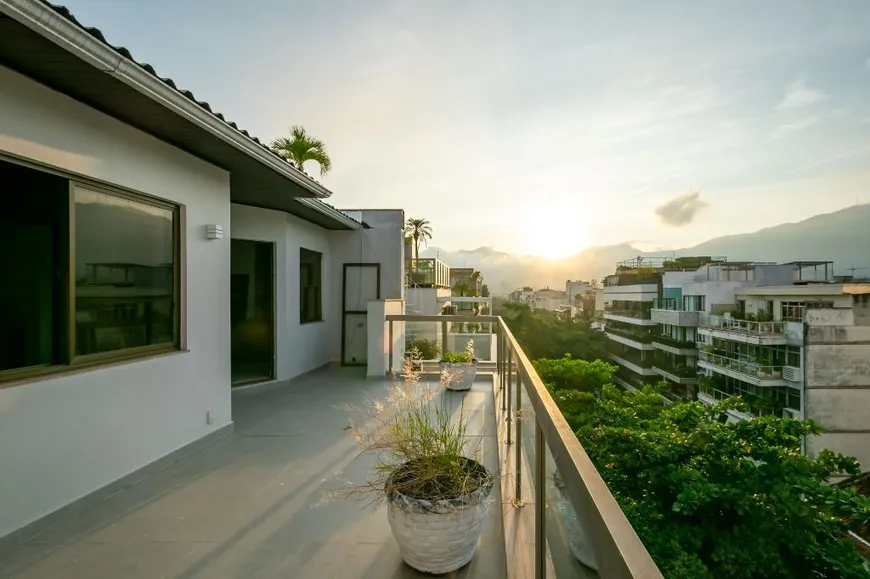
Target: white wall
pixel 299 347
pixel 68 435
pixel 383 244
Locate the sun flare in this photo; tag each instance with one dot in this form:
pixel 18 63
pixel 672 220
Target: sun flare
pixel 554 235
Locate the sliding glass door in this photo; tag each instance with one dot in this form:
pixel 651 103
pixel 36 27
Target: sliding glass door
pixel 252 311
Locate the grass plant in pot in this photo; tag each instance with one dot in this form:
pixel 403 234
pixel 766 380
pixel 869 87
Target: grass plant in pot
pixel 459 369
pixel 436 495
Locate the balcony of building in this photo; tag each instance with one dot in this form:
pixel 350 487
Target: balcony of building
pixel 674 368
pixel 766 333
pixel 256 501
pixel 638 362
pixel 746 370
pixel 427 273
pixel 637 337
pixel 667 343
pixel 629 312
pixel 536 541
pixel 669 311
pixel 781 402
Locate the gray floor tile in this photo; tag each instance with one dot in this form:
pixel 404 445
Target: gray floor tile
pixel 254 504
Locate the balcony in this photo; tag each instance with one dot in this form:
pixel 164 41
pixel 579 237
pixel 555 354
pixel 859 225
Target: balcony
pixel 523 410
pixel 427 272
pixel 632 339
pixel 676 347
pixel 745 371
pixel 632 364
pixel 747 332
pixel 676 374
pixel 758 405
pixel 637 316
pixel 666 312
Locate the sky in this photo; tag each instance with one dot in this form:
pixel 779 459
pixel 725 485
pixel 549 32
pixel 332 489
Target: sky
pixel 540 127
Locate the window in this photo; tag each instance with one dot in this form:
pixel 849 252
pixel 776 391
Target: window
pixel 310 270
pixel 124 273
pixel 92 274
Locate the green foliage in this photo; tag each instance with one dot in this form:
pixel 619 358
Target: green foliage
pixel 545 334
pixel 303 147
pixel 422 349
pixel 715 499
pixel 418 230
pixel 456 358
pixel 484 291
pixel 568 373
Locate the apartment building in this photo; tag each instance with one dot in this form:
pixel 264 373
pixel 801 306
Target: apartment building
pixel 785 337
pixel 629 296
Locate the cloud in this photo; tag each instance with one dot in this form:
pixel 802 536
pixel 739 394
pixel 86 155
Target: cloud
pixel 801 94
pixel 797 126
pixel 680 210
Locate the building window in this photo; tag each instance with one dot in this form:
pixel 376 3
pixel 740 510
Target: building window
pixel 124 273
pixel 310 290
pixel 92 274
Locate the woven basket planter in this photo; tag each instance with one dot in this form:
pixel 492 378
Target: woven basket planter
pixel 461 374
pixel 439 536
pixel 580 546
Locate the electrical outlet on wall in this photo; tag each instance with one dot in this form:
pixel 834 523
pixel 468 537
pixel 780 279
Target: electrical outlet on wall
pixel 208 418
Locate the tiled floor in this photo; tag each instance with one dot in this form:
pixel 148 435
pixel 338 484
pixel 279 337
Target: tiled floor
pixel 251 505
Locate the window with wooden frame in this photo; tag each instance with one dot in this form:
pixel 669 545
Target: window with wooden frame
pixel 91 274
pixel 310 290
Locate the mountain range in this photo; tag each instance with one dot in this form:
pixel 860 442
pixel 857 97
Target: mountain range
pixel 842 237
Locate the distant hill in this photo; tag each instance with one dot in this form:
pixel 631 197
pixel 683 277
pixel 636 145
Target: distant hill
pixel 842 236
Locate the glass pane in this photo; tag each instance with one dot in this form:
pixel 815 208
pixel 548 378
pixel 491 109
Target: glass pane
pixel 123 273
pixel 33 234
pixel 252 306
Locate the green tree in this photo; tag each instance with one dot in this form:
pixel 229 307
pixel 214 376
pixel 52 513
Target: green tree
pixel 716 499
pixel 464 289
pixel 302 147
pixel 545 334
pixel 571 374
pixel 419 230
pixel 484 291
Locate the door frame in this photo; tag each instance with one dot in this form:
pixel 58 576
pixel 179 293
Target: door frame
pixel 274 369
pixel 345 312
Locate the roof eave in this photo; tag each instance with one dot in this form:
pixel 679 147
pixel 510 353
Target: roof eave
pixel 43 20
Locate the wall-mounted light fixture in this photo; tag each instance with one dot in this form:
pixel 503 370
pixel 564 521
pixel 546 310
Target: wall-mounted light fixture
pixel 214 232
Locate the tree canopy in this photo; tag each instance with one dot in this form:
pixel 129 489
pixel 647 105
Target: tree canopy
pixel 710 498
pixel 419 230
pixel 546 334
pixel 302 147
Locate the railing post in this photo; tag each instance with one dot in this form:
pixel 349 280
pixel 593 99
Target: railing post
pixel 443 338
pixel 507 400
pixel 390 348
pixel 508 378
pixel 518 439
pixel 540 503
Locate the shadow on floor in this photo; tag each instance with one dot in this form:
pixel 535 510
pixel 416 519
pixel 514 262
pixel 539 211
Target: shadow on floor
pixel 250 505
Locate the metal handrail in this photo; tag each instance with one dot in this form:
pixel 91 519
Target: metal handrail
pixel 732 324
pixel 754 369
pixel 618 550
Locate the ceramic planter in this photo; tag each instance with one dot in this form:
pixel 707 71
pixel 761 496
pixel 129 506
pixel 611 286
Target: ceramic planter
pixel 580 547
pixel 461 374
pixel 439 536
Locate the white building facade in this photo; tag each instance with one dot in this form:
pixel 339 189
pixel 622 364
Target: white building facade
pixel 154 256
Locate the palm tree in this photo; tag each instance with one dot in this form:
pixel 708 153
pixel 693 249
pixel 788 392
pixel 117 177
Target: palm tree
pixel 419 230
pixel 302 147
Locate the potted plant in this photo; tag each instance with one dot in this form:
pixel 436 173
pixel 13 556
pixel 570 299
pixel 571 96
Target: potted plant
pixel 419 350
pixel 436 495
pixel 458 369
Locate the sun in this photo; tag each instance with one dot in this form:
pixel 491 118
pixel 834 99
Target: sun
pixel 554 236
